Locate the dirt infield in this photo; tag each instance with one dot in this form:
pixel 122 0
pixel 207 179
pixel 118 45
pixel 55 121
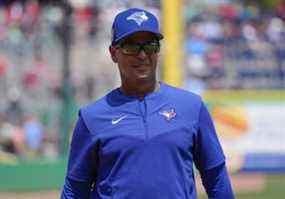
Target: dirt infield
pixel 241 183
pixel 41 195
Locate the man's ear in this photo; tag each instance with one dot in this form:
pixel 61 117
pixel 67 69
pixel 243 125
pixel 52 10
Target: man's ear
pixel 113 54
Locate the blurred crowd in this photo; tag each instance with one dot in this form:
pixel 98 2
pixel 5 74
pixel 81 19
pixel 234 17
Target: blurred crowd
pixel 227 46
pixel 236 46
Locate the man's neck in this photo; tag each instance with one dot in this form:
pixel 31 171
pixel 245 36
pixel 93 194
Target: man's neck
pixel 140 90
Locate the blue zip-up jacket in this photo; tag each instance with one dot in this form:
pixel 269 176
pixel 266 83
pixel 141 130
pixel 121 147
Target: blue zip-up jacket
pixel 126 148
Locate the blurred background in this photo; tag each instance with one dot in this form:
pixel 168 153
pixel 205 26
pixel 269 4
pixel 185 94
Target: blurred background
pixel 54 58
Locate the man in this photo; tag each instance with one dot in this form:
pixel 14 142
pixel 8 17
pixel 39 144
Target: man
pixel 140 141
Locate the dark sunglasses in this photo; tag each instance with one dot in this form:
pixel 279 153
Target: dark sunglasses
pixel 149 47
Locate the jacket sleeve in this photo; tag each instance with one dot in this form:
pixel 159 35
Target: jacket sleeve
pixel 209 158
pixel 81 170
pixel 217 183
pixel 75 189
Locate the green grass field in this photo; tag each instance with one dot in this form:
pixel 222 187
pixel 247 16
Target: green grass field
pixel 275 189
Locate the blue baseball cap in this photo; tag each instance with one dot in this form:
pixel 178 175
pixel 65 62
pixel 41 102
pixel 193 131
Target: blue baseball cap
pixel 134 20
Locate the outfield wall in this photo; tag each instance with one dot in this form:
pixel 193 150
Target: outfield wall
pixel 250 125
pixel 32 175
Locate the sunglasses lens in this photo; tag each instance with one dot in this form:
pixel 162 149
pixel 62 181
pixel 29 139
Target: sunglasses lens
pixel 135 48
pixel 131 49
pixel 151 48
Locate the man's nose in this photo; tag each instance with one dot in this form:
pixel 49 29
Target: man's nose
pixel 142 54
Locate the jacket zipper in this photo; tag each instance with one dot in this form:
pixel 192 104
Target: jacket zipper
pixel 145 121
pixel 144 117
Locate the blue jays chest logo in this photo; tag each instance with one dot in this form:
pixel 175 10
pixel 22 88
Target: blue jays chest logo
pixel 138 17
pixel 168 114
